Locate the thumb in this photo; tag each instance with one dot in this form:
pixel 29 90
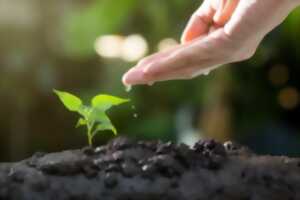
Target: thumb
pixel 199 23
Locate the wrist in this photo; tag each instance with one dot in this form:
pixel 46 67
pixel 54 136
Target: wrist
pixel 293 3
pixel 285 6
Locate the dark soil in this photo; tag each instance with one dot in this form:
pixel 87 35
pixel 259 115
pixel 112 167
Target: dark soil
pixel 127 170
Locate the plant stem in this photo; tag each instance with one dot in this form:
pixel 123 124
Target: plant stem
pixel 89 134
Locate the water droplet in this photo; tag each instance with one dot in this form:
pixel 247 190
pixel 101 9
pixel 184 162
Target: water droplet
pixel 135 115
pixel 150 83
pixel 206 72
pixel 133 107
pixel 128 88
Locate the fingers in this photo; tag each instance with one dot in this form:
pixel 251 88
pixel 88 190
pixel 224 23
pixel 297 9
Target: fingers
pixel 160 55
pixel 136 74
pixel 220 6
pixel 161 64
pixel 179 59
pixel 211 12
pixel 224 11
pixel 183 73
pixel 184 62
pixel 199 23
pixel 180 62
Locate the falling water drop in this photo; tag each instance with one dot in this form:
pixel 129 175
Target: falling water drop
pixel 206 72
pixel 133 107
pixel 150 83
pixel 135 115
pixel 128 88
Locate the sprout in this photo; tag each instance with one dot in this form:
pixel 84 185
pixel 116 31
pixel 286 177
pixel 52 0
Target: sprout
pixel 94 117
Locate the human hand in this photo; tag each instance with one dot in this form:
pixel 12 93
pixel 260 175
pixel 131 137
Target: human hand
pixel 219 32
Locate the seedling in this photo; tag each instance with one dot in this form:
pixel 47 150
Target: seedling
pixel 94 117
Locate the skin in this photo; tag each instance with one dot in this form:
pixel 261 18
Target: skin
pixel 218 33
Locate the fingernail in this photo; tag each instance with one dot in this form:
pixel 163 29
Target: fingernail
pixel 124 80
pixel 182 38
pixel 134 76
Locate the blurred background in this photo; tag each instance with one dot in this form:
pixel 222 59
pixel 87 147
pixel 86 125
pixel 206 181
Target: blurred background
pixel 84 47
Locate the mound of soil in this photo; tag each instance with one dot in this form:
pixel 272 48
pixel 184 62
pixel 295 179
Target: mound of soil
pixel 129 170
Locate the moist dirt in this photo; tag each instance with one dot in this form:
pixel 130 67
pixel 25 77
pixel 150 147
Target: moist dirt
pixel 149 170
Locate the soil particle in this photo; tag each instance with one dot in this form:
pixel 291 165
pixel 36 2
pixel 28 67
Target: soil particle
pixel 100 150
pixel 166 165
pixel 209 148
pixel 110 180
pixel 174 183
pixel 64 163
pixel 32 161
pixel 165 148
pixel 89 151
pixel 130 169
pixel 151 170
pixel 237 149
pixel 39 183
pixel 16 176
pixel 150 145
pixel 113 168
pixel 120 143
pixel 183 155
pixel 90 170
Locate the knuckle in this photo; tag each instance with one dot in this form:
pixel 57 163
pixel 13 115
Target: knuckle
pixel 150 73
pixel 237 50
pixel 147 73
pixel 243 54
pixel 144 61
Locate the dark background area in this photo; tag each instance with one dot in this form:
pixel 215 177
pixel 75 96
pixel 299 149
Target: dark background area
pixel 64 45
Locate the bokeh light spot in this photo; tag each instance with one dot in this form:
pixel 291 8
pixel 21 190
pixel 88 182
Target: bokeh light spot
pixel 289 98
pixel 109 46
pixel 166 44
pixel 134 48
pixel 279 75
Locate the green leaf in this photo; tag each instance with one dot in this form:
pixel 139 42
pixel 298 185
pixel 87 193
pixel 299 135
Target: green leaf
pixel 70 101
pixel 103 122
pixel 81 122
pixel 85 111
pixel 105 102
pixel 98 115
pixel 105 126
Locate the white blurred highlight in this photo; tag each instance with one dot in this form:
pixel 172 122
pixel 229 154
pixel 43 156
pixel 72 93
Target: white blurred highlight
pixel 134 48
pixel 130 49
pixel 166 44
pixel 109 46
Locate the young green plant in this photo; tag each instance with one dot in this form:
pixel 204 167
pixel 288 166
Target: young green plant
pixel 94 116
